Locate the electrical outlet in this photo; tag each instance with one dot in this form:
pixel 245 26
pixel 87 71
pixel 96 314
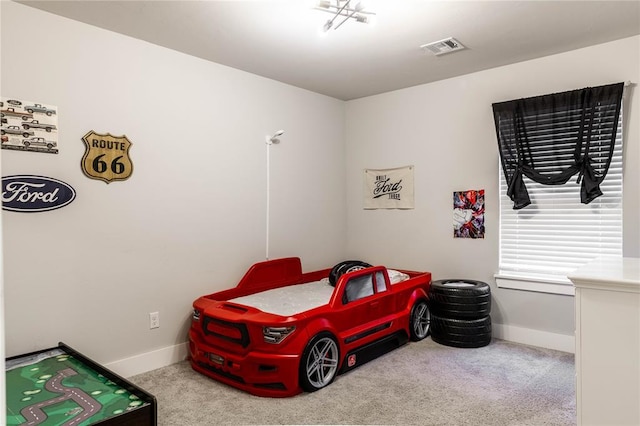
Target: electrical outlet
pixel 154 320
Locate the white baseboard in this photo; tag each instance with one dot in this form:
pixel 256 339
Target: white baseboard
pixel 528 336
pixel 149 361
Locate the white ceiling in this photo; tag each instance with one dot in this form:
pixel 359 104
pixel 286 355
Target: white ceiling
pixel 281 39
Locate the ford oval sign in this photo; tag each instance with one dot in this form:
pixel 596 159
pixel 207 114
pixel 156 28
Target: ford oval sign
pixel 27 193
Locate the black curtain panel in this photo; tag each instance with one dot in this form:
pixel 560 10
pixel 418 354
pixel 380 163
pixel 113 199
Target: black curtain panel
pixel 553 137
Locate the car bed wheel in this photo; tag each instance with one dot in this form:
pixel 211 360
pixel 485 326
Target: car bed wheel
pixel 419 321
pixel 319 363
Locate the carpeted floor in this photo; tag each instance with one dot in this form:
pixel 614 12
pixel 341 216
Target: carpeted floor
pixel 421 383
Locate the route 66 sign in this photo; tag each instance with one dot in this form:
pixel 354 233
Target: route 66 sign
pixel 106 157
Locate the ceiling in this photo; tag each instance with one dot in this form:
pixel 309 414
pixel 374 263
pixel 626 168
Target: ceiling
pixel 281 39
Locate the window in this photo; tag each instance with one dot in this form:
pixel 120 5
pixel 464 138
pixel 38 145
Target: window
pixel 358 288
pixel 555 234
pixel 363 286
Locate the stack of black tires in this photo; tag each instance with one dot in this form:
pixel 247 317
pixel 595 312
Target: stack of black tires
pixel 460 313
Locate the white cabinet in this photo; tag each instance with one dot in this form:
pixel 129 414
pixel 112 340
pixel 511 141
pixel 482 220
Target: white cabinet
pixel 607 313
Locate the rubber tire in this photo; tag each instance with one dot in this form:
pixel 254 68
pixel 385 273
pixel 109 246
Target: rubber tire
pixel 305 383
pixel 344 267
pixel 461 333
pixel 470 301
pixel 416 315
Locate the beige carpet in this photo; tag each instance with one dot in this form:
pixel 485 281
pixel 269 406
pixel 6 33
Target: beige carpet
pixel 420 383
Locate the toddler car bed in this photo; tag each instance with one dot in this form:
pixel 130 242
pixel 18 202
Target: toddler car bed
pixel 281 331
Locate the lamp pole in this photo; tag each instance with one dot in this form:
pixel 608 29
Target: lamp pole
pixel 269 141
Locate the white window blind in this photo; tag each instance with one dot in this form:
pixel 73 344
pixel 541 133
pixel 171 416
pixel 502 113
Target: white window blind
pixel 556 233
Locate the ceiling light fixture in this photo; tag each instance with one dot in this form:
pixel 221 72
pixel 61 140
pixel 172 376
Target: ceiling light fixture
pixel 342 8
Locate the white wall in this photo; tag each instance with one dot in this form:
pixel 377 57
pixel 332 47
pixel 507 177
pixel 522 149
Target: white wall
pixel 446 130
pixel 190 220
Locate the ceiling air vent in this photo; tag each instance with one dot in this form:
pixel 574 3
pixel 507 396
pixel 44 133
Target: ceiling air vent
pixel 443 46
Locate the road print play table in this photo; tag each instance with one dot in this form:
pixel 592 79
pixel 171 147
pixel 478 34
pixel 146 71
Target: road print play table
pixel 59 386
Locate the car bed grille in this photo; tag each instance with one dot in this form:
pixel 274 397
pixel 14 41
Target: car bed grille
pixel 226 330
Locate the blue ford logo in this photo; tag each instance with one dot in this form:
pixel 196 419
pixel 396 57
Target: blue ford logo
pixel 27 193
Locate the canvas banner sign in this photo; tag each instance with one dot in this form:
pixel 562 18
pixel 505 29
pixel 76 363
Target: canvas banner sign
pixel 388 188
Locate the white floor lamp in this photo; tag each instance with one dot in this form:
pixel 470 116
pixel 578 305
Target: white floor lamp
pixel 270 141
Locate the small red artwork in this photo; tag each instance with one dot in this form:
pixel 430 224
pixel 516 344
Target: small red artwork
pixel 468 214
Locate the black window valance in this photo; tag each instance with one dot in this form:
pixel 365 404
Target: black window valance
pixel 553 137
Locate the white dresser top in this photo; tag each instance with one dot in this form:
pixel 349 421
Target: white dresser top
pixel 609 273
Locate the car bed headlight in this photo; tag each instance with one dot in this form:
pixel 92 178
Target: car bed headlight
pixel 196 315
pixel 276 335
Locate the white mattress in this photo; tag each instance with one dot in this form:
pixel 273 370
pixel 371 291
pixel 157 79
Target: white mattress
pixel 290 300
pixel 294 299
